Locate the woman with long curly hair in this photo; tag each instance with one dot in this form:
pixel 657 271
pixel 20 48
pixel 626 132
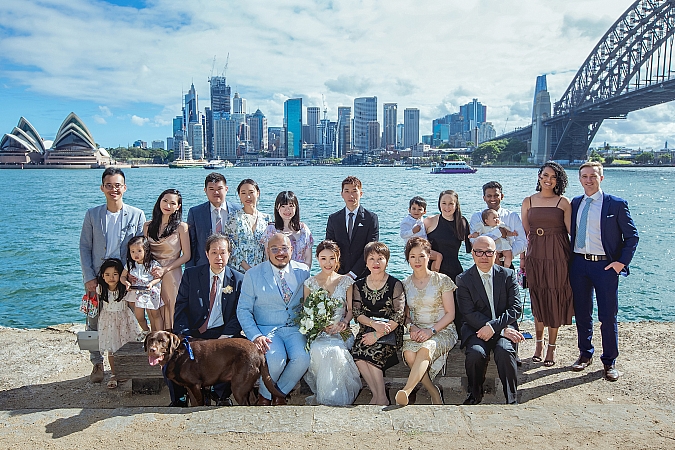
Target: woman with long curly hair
pixel 546 219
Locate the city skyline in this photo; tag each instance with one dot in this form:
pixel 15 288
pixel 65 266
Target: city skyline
pixel 127 66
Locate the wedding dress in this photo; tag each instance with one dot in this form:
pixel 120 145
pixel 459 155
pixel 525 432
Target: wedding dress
pixel 332 374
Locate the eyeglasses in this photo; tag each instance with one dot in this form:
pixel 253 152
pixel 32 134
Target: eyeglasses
pixel 111 186
pixel 276 250
pixel 483 252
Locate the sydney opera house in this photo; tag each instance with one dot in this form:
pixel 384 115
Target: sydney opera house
pixel 73 147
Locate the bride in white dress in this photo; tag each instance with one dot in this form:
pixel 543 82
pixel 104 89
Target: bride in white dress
pixel 332 374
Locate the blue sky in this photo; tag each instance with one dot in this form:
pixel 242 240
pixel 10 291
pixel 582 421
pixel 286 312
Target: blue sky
pixel 122 65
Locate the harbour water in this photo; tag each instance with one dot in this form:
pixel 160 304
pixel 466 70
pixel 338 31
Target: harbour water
pixel 41 214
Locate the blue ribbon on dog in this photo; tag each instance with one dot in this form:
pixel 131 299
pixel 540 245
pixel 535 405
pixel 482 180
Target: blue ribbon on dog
pixel 186 343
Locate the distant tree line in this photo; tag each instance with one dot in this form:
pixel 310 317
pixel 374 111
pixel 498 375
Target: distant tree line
pixel 502 151
pixel 136 154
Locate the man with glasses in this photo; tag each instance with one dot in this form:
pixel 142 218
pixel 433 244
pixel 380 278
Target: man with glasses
pixel 488 298
pixel 271 296
pixel 105 232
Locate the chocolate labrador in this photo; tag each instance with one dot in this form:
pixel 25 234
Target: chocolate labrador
pixel 196 364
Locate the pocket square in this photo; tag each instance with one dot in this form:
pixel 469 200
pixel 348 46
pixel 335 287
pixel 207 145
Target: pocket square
pixel 610 215
pixel 360 224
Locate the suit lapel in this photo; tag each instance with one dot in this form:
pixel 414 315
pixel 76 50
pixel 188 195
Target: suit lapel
pixel 498 282
pixel 205 286
pixel 359 218
pixel 479 287
pixel 269 275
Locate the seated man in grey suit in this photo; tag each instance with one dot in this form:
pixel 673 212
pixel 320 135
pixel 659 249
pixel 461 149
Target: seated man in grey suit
pixel 209 217
pixel 271 296
pixel 105 233
pixel 488 297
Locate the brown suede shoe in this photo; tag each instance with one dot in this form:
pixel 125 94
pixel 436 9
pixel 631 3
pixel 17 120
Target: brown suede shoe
pixel 96 373
pixel 278 401
pixel 611 374
pixel 262 401
pixel 582 363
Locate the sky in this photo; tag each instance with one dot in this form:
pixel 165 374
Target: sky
pixel 122 66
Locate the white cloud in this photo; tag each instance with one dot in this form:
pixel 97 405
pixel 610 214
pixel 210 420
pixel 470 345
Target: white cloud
pixel 430 55
pixel 100 120
pixel 140 121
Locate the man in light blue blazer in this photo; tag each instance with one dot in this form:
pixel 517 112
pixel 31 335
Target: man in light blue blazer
pixel 271 296
pixel 105 233
pixel 209 217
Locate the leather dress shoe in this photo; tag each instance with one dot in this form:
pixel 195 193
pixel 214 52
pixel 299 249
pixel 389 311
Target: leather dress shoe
pixel 179 404
pixel 611 374
pixel 471 400
pixel 582 363
pixel 224 402
pixel 96 373
pixel 278 401
pixel 262 401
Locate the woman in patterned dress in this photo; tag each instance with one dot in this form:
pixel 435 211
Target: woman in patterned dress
pixel 246 228
pixel 287 222
pixel 430 311
pixel 378 302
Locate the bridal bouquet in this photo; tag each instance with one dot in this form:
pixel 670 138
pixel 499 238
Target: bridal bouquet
pixel 316 314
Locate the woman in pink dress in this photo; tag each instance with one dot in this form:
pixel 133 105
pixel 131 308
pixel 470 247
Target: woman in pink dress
pixel 287 222
pixel 170 246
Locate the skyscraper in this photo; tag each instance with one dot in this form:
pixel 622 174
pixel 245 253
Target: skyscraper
pixel 365 111
pixel 158 144
pixel 411 127
pixel 389 111
pixel 258 124
pixel 474 113
pixel 293 126
pixel 373 135
pixel 238 104
pixel 220 95
pixel 313 117
pixel 224 136
pixel 344 130
pixel 191 108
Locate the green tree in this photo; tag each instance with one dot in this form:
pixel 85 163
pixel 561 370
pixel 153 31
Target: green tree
pixel 609 159
pixel 645 157
pixel 488 152
pixel 595 156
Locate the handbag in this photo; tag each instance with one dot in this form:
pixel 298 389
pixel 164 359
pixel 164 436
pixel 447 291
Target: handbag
pixel 89 305
pixel 387 339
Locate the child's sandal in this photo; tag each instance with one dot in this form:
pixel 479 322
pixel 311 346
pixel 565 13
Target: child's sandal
pixel 112 383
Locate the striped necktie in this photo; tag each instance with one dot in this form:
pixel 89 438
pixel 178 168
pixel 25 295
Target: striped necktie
pixel 219 221
pixel 583 224
pixel 285 288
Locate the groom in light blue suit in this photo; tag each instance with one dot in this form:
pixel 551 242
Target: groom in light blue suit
pixel 203 219
pixel 271 295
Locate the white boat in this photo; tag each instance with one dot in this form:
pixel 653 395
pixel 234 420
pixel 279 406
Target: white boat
pixel 217 164
pixel 186 163
pixel 453 167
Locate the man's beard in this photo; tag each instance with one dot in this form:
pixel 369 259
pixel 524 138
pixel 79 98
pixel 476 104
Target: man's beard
pixel 275 264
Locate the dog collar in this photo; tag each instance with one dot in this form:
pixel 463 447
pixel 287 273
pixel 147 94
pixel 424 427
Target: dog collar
pixel 186 343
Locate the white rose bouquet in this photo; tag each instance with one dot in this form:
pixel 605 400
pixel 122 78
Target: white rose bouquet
pixel 316 314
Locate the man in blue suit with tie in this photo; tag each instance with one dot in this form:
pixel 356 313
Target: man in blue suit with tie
pixel 603 239
pixel 271 296
pixel 209 217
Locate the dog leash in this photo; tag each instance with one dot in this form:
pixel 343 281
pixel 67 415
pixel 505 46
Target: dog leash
pixel 186 343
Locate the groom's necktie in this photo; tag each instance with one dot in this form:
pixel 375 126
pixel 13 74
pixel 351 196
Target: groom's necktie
pixel 350 227
pixel 285 288
pixel 583 224
pixel 212 300
pixel 219 221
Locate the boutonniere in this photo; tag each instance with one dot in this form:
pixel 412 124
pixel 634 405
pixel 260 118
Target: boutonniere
pixel 227 290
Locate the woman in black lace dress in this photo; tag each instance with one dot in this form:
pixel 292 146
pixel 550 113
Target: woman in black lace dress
pixel 378 303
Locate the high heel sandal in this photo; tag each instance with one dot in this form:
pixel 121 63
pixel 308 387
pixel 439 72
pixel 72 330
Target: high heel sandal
pixel 550 362
pixel 536 358
pixel 401 398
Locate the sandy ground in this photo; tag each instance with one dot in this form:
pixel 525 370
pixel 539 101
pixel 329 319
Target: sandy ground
pixel 45 370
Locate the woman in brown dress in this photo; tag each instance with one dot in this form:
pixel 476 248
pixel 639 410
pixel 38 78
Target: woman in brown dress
pixel 168 237
pixel 378 302
pixel 546 219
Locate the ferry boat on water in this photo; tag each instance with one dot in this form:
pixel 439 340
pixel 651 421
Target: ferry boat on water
pixel 186 163
pixel 453 167
pixel 217 164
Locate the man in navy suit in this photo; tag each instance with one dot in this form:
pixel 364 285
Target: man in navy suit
pixel 209 217
pixel 206 306
pixel 352 228
pixel 488 298
pixel 603 240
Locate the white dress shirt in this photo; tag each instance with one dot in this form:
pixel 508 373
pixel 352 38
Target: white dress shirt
pixel 216 317
pixel 511 220
pixel 593 244
pixel 347 211
pixel 489 290
pixel 408 223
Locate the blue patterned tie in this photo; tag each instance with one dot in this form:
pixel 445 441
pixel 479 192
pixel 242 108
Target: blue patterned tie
pixel 285 289
pixel 583 224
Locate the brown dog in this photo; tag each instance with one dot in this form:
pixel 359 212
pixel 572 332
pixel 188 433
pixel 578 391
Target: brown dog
pixel 213 361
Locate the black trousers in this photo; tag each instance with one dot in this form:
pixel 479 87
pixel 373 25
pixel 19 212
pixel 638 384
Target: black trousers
pixel 477 352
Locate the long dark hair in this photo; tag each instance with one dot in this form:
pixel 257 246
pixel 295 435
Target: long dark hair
pixel 147 257
pixel 104 291
pixel 460 225
pixel 286 198
pixel 560 177
pixel 174 219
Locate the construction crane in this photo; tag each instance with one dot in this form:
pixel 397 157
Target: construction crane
pixel 213 65
pixel 227 62
pixel 504 129
pixel 325 110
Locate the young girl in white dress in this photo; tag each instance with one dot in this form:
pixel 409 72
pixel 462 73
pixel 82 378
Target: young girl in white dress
pixel 332 374
pixel 116 323
pixel 143 288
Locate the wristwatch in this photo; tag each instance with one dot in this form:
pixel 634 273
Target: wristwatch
pixel 433 331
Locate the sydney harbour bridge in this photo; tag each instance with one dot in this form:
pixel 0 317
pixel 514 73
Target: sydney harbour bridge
pixel 631 68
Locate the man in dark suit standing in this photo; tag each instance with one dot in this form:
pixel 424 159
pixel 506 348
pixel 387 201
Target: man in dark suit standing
pixel 603 240
pixel 352 228
pixel 206 306
pixel 209 217
pixel 489 300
